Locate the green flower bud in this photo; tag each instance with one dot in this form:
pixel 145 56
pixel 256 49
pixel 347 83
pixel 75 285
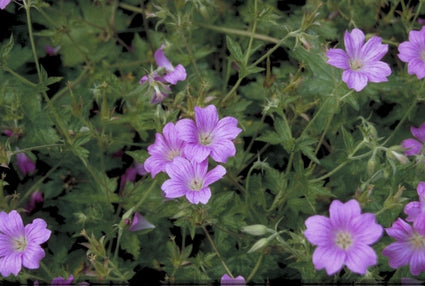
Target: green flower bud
pixel 255 229
pixel 261 243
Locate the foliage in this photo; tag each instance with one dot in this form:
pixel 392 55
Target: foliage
pixel 83 117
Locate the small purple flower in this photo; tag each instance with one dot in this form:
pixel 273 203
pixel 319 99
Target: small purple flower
pixel 208 136
pixel 139 223
pixel 35 200
pixel 166 147
pixel 25 164
pixel 361 63
pixel 160 89
pixel 174 74
pixel 62 281
pixel 190 179
pixel 413 146
pixel 51 51
pixel 412 52
pixel 19 245
pixel 414 209
pixel 343 238
pixel 410 245
pixel 7 132
pixel 227 280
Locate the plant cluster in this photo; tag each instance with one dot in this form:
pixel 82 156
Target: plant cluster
pixel 206 140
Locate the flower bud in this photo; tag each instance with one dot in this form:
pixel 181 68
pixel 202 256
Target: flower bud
pixel 261 243
pixel 255 229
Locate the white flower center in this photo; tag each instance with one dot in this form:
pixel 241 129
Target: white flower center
pixel 417 241
pixel 20 243
pixel 205 138
pixel 172 154
pixel 196 184
pixel 355 64
pixel 343 240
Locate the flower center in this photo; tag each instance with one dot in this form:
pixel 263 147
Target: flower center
pixel 355 64
pixel 417 241
pixel 344 240
pixel 205 138
pixel 172 154
pixel 196 184
pixel 20 243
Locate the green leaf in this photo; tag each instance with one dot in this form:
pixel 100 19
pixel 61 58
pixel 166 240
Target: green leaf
pixel 235 50
pixel 5 50
pixel 304 145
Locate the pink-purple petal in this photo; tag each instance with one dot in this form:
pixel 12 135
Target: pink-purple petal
pixel 202 196
pixel 353 42
pixel 417 262
pixel 354 79
pixel 221 150
pixel 11 264
pixel 162 60
pixel 37 232
pixel 330 258
pixel 177 74
pixel 411 146
pixel 187 131
pixel 206 118
pixel 214 175
pixel 377 71
pixel 338 58
pixel 32 255
pixel 373 50
pixel 341 214
pixel 419 132
pixel 399 254
pixel 318 230
pixel 412 210
pixel 227 128
pixel 360 257
pixel 173 189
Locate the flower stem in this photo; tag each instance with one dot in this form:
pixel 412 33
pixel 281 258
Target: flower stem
pixel 34 52
pixel 216 251
pixel 256 267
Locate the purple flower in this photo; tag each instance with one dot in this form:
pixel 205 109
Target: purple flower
pixel 35 200
pixel 8 132
pixel 361 63
pixel 410 245
pixel 227 280
pixel 412 52
pixel 20 245
pixel 25 164
pixel 174 74
pixel 413 146
pixel 62 281
pixel 51 51
pixel 139 223
pixel 414 209
pixel 343 238
pixel 163 151
pixel 208 136
pixel 190 179
pixel 160 89
pixel 4 3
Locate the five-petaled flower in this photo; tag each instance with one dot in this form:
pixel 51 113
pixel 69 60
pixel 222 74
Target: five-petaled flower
pixel 208 136
pixel 190 179
pixel 415 146
pixel 343 238
pixel 410 245
pixel 19 244
pixel 362 62
pixel 412 52
pixel 166 147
